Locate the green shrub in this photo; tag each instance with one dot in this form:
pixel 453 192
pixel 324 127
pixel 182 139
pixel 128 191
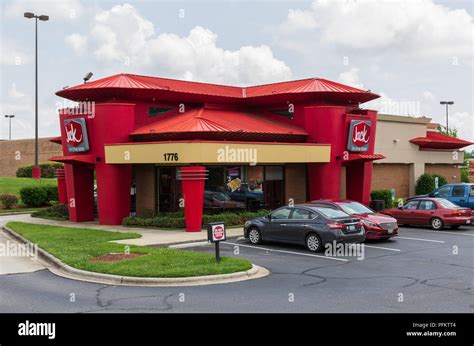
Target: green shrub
pixel 8 200
pixel 384 195
pixel 37 196
pixel 48 170
pixel 426 183
pixel 177 220
pixel 56 211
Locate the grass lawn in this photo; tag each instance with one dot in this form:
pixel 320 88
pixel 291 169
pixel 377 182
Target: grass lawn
pixel 14 184
pixel 77 246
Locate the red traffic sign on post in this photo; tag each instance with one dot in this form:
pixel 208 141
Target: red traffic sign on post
pixel 216 234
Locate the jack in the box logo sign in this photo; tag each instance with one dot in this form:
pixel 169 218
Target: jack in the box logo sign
pixel 76 135
pixel 359 135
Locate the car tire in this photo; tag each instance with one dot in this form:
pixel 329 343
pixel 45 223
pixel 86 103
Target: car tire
pixel 436 223
pixel 313 242
pixel 255 236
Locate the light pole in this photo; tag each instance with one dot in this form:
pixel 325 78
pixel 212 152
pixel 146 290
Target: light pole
pixel 36 174
pixel 447 103
pixel 10 116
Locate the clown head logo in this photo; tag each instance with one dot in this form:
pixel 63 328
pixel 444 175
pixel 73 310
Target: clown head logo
pixel 76 135
pixel 359 135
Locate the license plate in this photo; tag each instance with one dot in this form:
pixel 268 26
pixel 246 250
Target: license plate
pixel 351 228
pixel 390 231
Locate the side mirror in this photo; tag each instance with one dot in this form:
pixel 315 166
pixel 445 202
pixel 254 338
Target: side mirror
pixel 269 217
pixel 400 208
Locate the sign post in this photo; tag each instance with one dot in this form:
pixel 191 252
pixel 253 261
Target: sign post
pixel 216 234
pixel 436 182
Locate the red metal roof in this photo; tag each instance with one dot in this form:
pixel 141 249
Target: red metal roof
pixel 436 140
pixel 361 157
pixel 56 140
pixel 215 123
pixel 74 159
pixel 129 86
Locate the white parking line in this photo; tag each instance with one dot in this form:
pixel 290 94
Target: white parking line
pixel 457 233
pixel 182 246
pixel 289 252
pixel 430 240
pixel 382 248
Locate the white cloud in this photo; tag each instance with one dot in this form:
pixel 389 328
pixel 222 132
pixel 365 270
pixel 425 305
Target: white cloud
pixel 12 55
pixel 351 78
pixel 56 9
pixel 464 123
pixel 419 28
pixel 14 93
pixel 428 95
pixel 136 48
pixel 77 42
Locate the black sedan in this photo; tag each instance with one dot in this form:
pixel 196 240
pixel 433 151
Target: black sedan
pixel 306 225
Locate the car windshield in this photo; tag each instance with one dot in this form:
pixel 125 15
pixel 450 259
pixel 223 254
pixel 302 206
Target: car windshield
pixel 331 213
pixel 355 208
pixel 221 196
pixel 447 204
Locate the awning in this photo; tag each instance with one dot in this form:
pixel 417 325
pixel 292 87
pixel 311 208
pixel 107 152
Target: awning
pixel 216 152
pixel 74 159
pixel 56 140
pixel 209 123
pixel 364 157
pixel 436 140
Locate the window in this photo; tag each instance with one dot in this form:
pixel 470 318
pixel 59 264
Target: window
pixel 471 192
pixel 427 205
pixel 283 112
pixel 331 213
pixel 458 191
pixel 281 214
pixel 443 191
pixel 447 204
pixel 302 214
pixel 355 208
pixel 152 111
pixel 412 205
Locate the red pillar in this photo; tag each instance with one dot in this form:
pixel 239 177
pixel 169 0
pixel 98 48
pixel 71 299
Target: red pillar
pixel 359 179
pixel 113 192
pixel 62 190
pixel 36 172
pixel 193 179
pixel 80 192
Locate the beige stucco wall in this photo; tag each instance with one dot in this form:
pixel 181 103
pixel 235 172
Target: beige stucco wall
pixel 393 141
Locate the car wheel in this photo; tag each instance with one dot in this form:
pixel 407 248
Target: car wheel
pixel 313 242
pixel 255 236
pixel 436 223
pixel 455 226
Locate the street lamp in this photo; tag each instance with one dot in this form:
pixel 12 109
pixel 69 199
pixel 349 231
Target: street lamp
pixel 36 174
pixel 10 116
pixel 447 103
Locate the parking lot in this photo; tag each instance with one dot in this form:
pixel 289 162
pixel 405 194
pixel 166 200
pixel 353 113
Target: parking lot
pixel 419 271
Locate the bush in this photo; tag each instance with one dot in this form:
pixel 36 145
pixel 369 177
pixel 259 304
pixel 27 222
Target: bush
pixel 426 183
pixel 8 200
pixel 56 211
pixel 384 195
pixel 48 170
pixel 37 196
pixel 177 220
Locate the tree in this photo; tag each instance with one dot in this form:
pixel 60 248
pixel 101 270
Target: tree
pixel 453 132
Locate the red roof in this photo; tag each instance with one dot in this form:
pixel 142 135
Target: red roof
pixel 74 159
pixel 214 123
pixel 129 86
pixel 436 140
pixel 361 157
pixel 56 140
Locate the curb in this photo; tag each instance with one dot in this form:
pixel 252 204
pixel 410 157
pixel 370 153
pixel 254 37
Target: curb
pixel 17 213
pixel 59 268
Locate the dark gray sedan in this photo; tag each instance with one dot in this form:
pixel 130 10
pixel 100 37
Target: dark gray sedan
pixel 306 225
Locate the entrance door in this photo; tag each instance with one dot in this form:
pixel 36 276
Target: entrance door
pixel 166 189
pixel 274 187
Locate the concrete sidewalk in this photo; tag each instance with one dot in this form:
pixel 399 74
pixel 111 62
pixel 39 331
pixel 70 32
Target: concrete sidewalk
pixel 148 236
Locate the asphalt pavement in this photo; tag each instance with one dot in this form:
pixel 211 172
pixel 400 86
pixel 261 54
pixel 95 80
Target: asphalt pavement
pixel 419 271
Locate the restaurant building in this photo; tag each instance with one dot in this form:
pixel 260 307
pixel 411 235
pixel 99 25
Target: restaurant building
pixel 196 145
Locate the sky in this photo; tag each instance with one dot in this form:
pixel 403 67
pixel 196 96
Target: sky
pixel 413 53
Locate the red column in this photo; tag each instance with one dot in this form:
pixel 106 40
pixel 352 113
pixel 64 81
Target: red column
pixel 358 181
pixel 80 192
pixel 113 192
pixel 193 179
pixel 36 172
pixel 62 191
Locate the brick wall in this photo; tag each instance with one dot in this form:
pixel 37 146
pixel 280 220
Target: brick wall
pixel 18 153
pixel 146 188
pixel 295 182
pixel 392 175
pixel 450 172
